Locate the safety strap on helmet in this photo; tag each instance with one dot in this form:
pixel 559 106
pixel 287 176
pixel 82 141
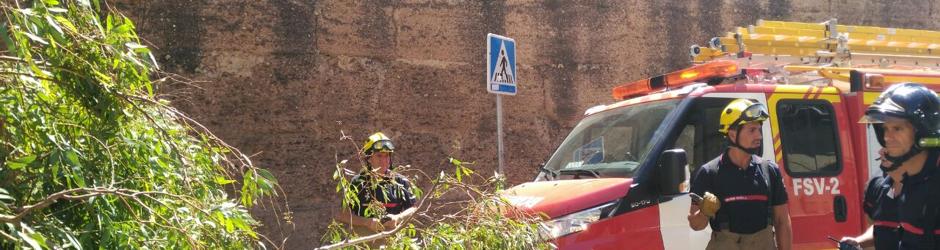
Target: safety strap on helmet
pixel 897 161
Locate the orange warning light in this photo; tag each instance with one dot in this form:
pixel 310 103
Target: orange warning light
pixel 636 88
pixel 705 71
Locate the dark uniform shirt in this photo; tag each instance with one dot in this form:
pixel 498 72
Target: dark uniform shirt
pixel 392 193
pixel 883 210
pixel 914 209
pixel 744 195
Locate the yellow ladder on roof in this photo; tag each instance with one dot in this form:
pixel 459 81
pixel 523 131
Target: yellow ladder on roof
pixel 827 42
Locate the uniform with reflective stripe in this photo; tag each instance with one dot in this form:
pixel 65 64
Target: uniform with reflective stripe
pixel 744 195
pixel 913 208
pixel 883 210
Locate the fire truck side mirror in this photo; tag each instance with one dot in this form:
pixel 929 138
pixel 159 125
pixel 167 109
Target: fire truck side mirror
pixel 671 171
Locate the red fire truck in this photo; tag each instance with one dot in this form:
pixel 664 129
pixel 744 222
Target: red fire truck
pixel 620 178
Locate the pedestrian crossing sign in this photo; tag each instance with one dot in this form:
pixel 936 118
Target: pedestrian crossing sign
pixel 500 65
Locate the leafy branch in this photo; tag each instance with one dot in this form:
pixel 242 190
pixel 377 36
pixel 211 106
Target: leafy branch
pixel 76 194
pixel 481 219
pixel 383 234
pixel 92 158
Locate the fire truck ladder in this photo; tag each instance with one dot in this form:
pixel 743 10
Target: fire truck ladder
pixel 850 58
pixel 823 44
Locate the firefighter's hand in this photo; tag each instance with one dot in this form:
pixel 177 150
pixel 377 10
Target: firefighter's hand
pixel 391 222
pixel 882 153
pixel 849 243
pixel 709 204
pixel 697 219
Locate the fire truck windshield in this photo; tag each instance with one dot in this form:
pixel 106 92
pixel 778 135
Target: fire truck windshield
pixel 610 143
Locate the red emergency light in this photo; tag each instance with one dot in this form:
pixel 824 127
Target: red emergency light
pixel 697 73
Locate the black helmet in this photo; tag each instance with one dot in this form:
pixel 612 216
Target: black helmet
pixel 909 101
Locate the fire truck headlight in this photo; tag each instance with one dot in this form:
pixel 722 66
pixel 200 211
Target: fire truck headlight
pixel 573 223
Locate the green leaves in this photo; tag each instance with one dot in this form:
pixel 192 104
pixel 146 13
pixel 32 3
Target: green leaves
pixel 222 181
pixel 77 110
pixel 18 163
pixel 65 22
pixel 461 169
pixel 480 223
pixel 256 183
pixel 35 241
pixel 5 196
pixel 36 38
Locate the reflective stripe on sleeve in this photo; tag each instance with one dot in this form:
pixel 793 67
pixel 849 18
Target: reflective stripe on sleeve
pixel 755 197
pixel 890 224
pixel 915 230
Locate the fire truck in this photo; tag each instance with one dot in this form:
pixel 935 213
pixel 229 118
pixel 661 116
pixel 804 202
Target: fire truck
pixel 620 179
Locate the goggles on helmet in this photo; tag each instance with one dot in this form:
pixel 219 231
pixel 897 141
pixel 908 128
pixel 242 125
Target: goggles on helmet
pixel 382 146
pixel 755 112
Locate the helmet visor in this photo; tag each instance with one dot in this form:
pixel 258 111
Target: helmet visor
pixel 874 118
pixel 755 112
pixel 883 109
pixel 383 146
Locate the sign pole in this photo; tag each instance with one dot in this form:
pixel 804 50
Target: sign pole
pixel 500 80
pixel 499 131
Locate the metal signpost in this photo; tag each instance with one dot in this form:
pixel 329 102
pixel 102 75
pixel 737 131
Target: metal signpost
pixel 500 79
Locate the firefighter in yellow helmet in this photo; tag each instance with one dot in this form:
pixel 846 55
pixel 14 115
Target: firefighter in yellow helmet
pixel 378 187
pixel 745 201
pixel 377 151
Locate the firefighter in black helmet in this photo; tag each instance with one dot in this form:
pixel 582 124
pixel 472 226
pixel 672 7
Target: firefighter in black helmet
pixel 378 187
pixel 881 205
pixel 906 119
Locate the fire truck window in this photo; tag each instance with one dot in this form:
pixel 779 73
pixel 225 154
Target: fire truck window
pixel 711 143
pixel 700 137
pixel 686 141
pixel 809 138
pixel 611 143
pixel 619 134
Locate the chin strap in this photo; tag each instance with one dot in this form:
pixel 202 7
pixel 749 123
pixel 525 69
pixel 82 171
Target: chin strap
pixel 897 161
pixel 753 151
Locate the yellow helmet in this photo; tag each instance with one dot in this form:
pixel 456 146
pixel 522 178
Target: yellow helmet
pixel 377 142
pixel 741 111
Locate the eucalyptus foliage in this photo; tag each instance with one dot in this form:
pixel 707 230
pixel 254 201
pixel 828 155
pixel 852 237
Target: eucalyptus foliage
pixel 482 220
pixel 92 159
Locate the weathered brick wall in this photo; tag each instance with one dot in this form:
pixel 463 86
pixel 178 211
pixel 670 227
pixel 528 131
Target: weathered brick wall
pixel 281 79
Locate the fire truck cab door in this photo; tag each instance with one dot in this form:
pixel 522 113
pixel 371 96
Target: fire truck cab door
pixel 812 146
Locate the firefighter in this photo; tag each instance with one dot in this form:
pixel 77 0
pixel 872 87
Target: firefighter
pixel 881 205
pixel 743 195
pixel 906 117
pixel 380 187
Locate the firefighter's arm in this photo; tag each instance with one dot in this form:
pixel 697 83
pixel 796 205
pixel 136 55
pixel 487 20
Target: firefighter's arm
pixel 697 219
pixel 782 228
pixel 699 214
pixel 702 207
pixel 347 217
pixel 394 219
pixel 865 240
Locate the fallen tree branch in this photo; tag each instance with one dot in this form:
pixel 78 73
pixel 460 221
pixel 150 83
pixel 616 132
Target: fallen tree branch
pixel 383 234
pixel 72 194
